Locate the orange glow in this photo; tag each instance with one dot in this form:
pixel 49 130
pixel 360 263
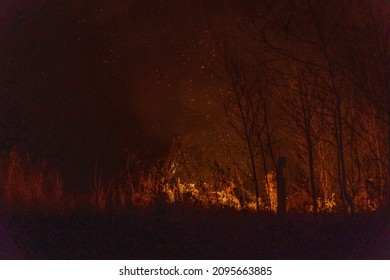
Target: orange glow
pixel 31 186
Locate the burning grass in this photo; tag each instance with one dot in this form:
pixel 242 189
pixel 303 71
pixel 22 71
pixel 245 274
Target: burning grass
pixel 29 185
pixel 154 215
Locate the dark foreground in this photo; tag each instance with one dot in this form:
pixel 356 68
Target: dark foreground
pixel 183 232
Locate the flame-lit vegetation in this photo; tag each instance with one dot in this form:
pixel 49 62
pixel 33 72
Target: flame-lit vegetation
pixel 155 218
pixel 29 185
pixel 25 184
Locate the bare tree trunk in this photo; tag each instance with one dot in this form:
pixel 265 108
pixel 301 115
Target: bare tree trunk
pixel 330 72
pixel 254 175
pixel 281 186
pixel 340 153
pixel 387 73
pixel 265 168
pixel 311 169
pixel 309 141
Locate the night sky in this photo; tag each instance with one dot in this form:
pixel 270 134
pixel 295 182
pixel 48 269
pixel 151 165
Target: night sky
pixel 83 82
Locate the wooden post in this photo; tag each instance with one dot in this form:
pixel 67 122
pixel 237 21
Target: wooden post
pixel 281 186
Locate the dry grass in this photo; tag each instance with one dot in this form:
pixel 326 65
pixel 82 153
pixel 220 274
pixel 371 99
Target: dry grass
pixel 28 185
pixel 151 215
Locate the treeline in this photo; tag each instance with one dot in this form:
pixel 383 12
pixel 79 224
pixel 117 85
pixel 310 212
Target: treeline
pixel 309 80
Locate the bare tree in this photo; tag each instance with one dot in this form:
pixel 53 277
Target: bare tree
pixel 246 109
pixel 309 33
pixel 370 68
pixel 313 52
pixel 302 107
